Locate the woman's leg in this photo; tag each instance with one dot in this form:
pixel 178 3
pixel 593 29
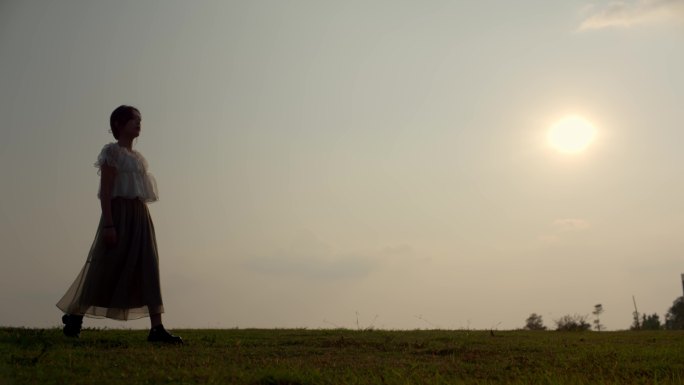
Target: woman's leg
pixel 155 320
pixel 72 325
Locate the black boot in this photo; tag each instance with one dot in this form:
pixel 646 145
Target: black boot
pixel 159 334
pixel 72 325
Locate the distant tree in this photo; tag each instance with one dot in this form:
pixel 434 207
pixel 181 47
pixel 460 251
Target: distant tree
pixel 572 323
pixel 674 319
pixel 635 317
pixel 636 324
pixel 534 322
pixel 598 309
pixel 651 322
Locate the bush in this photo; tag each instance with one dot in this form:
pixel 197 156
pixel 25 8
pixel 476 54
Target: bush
pixel 572 323
pixel 534 322
pixel 650 322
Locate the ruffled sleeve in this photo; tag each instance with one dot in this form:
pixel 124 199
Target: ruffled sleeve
pixel 109 156
pixel 132 178
pixel 150 191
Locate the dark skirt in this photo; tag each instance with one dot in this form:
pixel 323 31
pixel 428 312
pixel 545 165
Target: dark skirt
pixel 119 282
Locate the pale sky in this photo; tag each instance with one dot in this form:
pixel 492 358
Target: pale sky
pixel 321 162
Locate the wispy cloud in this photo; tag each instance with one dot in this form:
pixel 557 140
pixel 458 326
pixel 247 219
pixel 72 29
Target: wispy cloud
pixel 626 14
pixel 570 224
pixel 560 228
pixel 316 267
pixel 309 257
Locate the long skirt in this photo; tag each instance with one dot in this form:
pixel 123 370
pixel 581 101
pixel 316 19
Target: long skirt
pixel 120 281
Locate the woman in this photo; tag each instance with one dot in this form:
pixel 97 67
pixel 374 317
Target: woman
pixel 120 279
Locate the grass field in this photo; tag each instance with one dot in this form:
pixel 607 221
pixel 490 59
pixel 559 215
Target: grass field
pixel 300 356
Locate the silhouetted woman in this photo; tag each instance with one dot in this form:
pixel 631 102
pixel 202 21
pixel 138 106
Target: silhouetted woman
pixel 120 278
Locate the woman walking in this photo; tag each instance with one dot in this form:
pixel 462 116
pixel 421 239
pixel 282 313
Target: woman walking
pixel 120 278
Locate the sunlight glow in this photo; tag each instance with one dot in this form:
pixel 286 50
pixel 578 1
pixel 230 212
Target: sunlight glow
pixel 571 135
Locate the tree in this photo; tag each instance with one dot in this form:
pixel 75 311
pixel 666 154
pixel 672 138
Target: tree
pixel 636 325
pixel 674 319
pixel 650 322
pixel 534 322
pixel 635 316
pixel 572 323
pixel 598 309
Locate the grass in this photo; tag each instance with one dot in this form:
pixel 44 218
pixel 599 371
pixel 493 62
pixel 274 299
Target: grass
pixel 300 356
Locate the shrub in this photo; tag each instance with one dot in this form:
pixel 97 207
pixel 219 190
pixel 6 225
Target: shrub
pixel 534 322
pixel 572 323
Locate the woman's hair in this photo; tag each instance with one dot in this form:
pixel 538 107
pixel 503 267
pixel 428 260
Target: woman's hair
pixel 121 115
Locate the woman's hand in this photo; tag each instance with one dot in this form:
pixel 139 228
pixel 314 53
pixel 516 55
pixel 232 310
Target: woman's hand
pixel 110 236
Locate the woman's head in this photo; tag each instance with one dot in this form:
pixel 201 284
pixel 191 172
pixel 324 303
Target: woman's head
pixel 125 120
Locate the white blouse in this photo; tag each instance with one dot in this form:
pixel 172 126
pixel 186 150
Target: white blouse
pixel 132 179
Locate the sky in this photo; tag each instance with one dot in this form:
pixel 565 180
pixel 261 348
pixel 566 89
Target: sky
pixel 356 164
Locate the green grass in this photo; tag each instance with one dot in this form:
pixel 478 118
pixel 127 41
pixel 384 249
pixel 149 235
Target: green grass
pixel 300 356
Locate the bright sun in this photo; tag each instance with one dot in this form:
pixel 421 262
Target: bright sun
pixel 571 135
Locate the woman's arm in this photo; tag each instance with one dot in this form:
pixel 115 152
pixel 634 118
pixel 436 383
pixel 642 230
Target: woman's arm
pixel 108 174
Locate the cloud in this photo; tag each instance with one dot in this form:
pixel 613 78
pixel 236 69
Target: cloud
pixel 570 224
pixel 563 227
pixel 309 257
pixel 338 267
pixel 627 14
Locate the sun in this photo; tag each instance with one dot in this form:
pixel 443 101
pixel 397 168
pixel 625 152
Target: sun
pixel 571 135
